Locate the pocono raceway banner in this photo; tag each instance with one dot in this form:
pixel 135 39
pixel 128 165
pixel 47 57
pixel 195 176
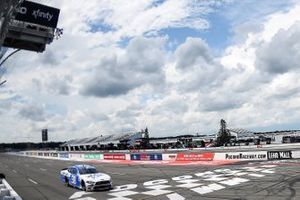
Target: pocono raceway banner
pixel 256 155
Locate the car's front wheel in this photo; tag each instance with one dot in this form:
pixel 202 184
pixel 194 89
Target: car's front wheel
pixel 83 186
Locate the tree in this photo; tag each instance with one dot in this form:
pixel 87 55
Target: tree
pixel 223 135
pixel 145 141
pixel 146 134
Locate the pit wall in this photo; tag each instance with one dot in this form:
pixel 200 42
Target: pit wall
pixel 181 156
pixel 7 192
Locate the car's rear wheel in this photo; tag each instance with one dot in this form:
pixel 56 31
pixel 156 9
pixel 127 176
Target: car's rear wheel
pixel 67 182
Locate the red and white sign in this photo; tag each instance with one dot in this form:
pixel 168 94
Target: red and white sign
pixel 169 156
pixel 145 157
pixel 114 157
pixel 195 156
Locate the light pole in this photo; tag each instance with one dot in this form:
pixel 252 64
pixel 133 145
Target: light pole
pixel 7 12
pixel 2 82
pixel 12 53
pixel 3 61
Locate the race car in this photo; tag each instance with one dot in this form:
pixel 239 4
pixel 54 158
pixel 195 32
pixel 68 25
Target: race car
pixel 85 177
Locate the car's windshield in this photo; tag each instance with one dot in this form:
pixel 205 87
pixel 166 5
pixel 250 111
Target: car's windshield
pixel 87 170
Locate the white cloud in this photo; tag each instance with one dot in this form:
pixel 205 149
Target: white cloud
pixel 130 86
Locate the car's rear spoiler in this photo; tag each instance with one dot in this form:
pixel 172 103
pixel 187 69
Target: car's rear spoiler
pixel 64 169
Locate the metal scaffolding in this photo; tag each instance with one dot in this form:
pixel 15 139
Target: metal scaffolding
pixel 7 12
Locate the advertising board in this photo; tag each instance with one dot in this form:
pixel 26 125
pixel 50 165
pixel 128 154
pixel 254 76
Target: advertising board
pixel 257 155
pixel 296 154
pixel 92 156
pixel 195 156
pixel 169 156
pixel 46 154
pixel 155 156
pixel 135 156
pixel 279 155
pixel 145 157
pixel 64 155
pixel 114 156
pixel 44 135
pixel 54 154
pixel 38 14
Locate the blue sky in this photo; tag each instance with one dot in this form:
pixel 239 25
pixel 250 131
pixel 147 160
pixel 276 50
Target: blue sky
pixel 224 19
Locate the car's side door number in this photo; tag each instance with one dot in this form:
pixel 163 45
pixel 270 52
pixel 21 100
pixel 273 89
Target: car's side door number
pixel 73 179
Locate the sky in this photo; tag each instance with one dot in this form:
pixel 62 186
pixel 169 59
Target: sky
pixel 174 66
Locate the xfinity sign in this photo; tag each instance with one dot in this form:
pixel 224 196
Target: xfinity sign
pixel 38 14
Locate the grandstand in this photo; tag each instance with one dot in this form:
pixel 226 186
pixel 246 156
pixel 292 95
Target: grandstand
pixel 120 141
pixel 137 140
pixel 181 141
pixel 286 136
pixel 134 140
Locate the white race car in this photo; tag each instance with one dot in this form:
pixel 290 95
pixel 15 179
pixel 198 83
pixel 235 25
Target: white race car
pixel 85 177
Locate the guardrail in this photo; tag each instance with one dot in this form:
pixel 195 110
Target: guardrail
pixel 258 155
pixel 7 192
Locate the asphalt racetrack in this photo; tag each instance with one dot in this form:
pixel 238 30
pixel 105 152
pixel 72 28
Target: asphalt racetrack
pixel 38 179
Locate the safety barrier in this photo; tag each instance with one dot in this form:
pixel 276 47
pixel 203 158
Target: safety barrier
pixel 7 192
pixel 180 156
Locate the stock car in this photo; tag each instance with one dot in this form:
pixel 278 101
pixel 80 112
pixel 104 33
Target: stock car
pixel 85 177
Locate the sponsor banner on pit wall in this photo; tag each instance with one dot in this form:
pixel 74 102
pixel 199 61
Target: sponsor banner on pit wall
pixel 112 156
pixel 169 156
pixel 155 156
pixel 92 156
pixel 46 154
pixel 64 155
pixel 195 156
pixel 257 155
pixel 279 155
pixel 54 154
pixel 144 157
pixel 76 155
pixel 295 154
pixel 135 156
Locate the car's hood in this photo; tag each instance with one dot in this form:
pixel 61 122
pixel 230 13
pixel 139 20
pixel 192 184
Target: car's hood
pixel 95 177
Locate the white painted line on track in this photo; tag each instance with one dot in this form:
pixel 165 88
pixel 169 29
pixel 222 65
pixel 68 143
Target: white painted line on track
pixel 15 171
pixel 175 196
pixel 114 173
pixel 76 195
pixel 42 169
pixel 32 181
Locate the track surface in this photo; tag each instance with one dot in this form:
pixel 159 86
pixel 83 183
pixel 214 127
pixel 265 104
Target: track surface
pixel 38 179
